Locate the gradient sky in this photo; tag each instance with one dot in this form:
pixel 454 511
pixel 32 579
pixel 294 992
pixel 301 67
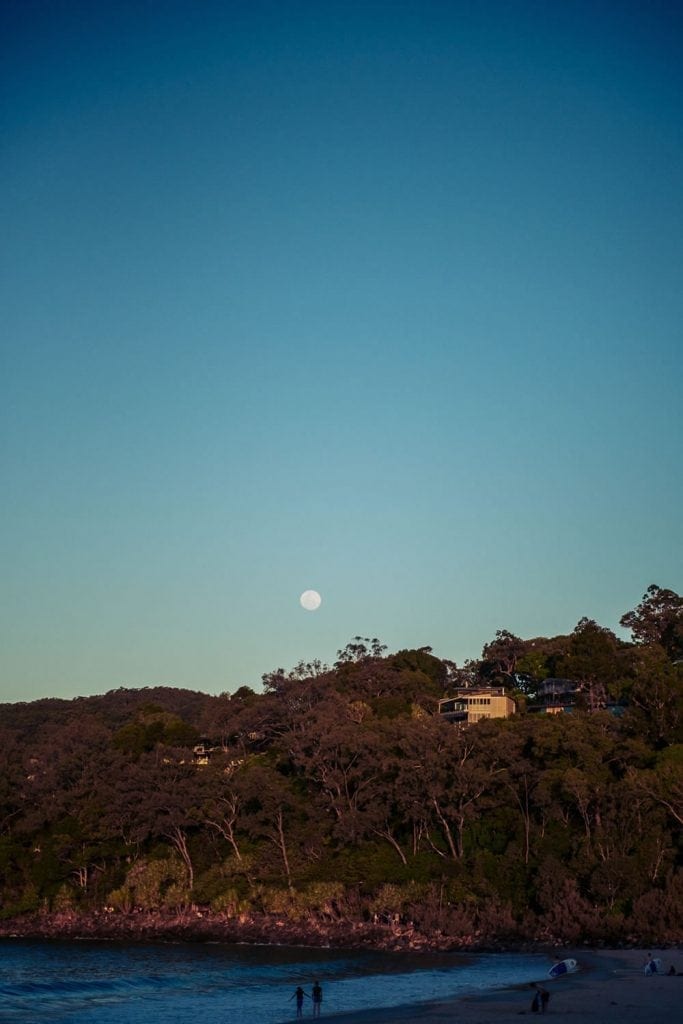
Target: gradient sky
pixel 382 299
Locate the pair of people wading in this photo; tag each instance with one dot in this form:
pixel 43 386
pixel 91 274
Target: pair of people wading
pixel 316 997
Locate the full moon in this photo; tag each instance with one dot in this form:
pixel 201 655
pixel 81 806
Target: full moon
pixel 310 600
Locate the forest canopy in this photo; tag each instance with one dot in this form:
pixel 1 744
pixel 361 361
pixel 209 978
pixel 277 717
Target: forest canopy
pixel 339 793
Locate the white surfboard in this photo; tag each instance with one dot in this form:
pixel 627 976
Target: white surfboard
pixel 563 967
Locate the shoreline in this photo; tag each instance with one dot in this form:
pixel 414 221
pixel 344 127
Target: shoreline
pixel 610 986
pixel 195 926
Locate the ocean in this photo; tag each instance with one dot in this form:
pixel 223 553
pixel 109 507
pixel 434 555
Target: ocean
pixel 91 982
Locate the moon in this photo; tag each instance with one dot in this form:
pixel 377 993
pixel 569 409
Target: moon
pixel 310 600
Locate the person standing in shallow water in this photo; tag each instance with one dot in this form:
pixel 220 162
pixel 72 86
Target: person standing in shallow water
pixel 299 996
pixel 317 997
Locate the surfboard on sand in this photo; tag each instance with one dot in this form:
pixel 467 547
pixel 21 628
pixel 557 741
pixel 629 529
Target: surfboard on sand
pixel 563 967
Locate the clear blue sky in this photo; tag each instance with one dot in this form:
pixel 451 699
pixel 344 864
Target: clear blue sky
pixel 381 299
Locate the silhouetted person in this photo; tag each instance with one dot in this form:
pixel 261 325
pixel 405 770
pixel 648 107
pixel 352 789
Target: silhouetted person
pixel 540 1000
pixel 299 996
pixel 317 997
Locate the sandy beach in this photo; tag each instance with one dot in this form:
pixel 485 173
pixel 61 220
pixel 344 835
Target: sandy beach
pixel 610 986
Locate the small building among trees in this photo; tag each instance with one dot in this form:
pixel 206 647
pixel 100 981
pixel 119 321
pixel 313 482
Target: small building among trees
pixel 473 703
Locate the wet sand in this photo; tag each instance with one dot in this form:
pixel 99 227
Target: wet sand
pixel 610 987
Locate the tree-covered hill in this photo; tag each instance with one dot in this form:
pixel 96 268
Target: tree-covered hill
pixel 340 795
pixel 116 708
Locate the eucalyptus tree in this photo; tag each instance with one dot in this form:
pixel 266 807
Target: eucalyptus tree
pixel 273 810
pixel 658 619
pixel 455 770
pixel 655 696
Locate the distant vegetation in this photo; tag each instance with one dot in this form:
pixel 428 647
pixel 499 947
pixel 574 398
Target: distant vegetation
pixel 339 794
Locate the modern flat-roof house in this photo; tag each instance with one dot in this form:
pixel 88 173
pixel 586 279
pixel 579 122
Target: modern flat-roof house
pixel 472 703
pixel 556 696
pixel 562 696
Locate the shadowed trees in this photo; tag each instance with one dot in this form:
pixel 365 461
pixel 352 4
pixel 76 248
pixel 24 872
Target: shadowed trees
pixel 342 791
pixel 655 693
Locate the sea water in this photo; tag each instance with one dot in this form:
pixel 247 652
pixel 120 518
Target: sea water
pixel 165 983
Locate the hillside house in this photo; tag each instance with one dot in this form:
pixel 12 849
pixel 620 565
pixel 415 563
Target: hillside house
pixel 556 696
pixel 562 696
pixel 473 703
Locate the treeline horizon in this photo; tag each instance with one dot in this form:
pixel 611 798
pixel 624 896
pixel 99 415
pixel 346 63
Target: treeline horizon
pixel 338 794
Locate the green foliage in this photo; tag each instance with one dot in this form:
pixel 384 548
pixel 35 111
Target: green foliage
pixel 64 899
pixel 319 900
pixel 153 885
pixel 367 865
pixel 658 619
pixel 672 755
pixel 390 707
pixel 360 648
pixel 28 901
pixel 323 898
pixel 151 727
pixel 45 869
pixel 391 899
pixel 225 880
pixel 10 852
pixel 229 902
pixel 505 877
pixel 430 672
pixel 244 695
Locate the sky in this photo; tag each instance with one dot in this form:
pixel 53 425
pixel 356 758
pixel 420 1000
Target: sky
pixel 382 299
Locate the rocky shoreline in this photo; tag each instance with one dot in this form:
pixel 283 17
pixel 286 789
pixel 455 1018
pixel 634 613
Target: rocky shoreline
pixel 199 926
pixel 194 925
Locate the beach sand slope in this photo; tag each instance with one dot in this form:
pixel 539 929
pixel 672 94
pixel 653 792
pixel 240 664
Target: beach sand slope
pixel 611 988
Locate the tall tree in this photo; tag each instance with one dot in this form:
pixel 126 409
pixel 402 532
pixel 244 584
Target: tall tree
pixel 592 660
pixel 658 619
pixel 500 657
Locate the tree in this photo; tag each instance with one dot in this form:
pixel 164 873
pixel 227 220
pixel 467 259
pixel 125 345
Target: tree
pixel 360 649
pixel 434 673
pixel 153 725
pixel 655 695
pixel 456 772
pixel 658 619
pixel 11 777
pixel 500 657
pixel 331 750
pixel 171 806
pixel 223 804
pixel 538 662
pixel 273 810
pixel 664 783
pixel 592 660
pixel 522 774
